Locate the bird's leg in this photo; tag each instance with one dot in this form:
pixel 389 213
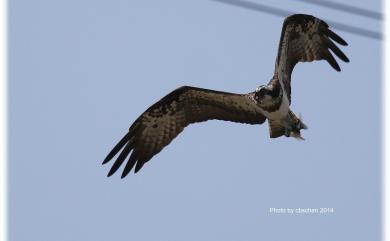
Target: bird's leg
pixel 287 131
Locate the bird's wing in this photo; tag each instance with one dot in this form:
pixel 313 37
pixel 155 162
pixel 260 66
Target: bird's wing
pixel 305 38
pixel 164 120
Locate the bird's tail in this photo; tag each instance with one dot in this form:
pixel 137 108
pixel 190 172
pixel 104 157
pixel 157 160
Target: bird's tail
pixel 276 129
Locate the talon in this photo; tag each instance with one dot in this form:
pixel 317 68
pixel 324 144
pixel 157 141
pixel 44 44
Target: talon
pixel 302 126
pixel 287 133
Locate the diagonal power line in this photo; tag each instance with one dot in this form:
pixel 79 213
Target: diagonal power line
pixel 257 7
pixel 284 13
pixel 346 8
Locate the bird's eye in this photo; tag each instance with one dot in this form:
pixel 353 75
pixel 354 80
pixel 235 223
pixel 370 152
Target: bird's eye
pixel 260 93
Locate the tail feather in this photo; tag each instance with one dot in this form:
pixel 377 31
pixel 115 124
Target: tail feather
pixel 275 129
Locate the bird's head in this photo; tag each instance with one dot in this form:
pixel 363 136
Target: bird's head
pixel 264 94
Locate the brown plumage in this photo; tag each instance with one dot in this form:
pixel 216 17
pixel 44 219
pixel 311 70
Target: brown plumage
pixel 164 120
pixel 304 38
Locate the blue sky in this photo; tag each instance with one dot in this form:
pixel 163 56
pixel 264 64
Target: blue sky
pixel 82 71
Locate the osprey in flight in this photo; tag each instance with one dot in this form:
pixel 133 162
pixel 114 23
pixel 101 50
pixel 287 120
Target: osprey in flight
pixel 304 38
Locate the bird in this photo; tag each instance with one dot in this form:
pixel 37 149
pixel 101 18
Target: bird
pixel 304 38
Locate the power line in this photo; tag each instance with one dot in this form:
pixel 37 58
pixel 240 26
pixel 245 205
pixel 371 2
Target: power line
pixel 257 7
pixel 284 13
pixel 355 30
pixel 346 8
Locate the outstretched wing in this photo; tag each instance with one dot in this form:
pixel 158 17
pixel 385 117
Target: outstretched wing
pixel 164 120
pixel 305 38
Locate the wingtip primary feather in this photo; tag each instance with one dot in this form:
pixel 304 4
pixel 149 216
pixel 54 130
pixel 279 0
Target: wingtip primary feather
pixel 138 166
pixel 130 164
pixel 110 173
pixel 335 37
pixel 117 148
pixel 329 57
pixel 120 159
pixel 108 158
pixel 336 50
